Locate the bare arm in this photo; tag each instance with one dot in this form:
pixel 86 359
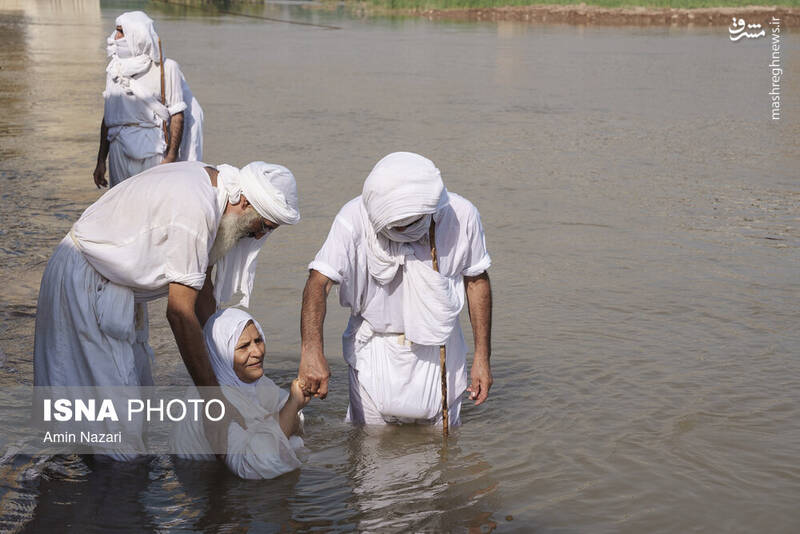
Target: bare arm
pixel 288 418
pixel 479 298
pixel 314 368
pixel 189 333
pixel 175 135
pixel 206 305
pixel 102 154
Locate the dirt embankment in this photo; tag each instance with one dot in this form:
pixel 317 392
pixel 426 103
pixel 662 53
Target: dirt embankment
pixel 639 16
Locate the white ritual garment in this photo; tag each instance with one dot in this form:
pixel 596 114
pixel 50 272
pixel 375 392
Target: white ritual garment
pixel 126 247
pixel 153 230
pixel 191 148
pixel 401 378
pixel 262 450
pixel 134 116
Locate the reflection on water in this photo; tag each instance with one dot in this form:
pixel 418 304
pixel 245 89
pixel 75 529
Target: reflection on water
pixel 640 208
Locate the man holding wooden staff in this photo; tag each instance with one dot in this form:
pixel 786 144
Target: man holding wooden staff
pixel 405 297
pixel 149 116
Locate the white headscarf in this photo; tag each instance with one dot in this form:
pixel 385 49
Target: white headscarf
pixel 133 54
pixel 272 190
pixel 401 188
pixel 221 333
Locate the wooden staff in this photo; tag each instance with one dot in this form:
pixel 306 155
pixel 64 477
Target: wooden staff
pixel 442 348
pixel 163 97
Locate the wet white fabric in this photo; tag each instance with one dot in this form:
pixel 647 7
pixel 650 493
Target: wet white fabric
pixel 133 111
pixel 403 379
pixel 461 247
pixel 273 192
pixel 362 410
pixel 261 451
pixel 90 333
pixel 87 333
pixel 153 229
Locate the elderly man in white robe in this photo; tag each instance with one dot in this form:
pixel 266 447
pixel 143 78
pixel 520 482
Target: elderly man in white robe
pixel 379 252
pixel 135 120
pixel 157 234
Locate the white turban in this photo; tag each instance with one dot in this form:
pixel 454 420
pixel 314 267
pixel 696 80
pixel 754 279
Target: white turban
pixel 402 185
pixel 270 188
pixel 401 188
pixel 272 191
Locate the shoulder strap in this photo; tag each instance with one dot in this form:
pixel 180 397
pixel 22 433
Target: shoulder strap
pixel 163 96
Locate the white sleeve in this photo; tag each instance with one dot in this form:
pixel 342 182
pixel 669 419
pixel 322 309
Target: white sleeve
pixel 186 257
pixel 336 257
pixel 173 92
pixel 478 259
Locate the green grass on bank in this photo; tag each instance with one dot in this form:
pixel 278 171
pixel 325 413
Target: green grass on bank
pixel 682 4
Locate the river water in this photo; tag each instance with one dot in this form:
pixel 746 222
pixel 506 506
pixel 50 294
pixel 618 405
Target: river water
pixel 643 215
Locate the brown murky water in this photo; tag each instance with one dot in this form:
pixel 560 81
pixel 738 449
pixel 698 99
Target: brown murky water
pixel 641 208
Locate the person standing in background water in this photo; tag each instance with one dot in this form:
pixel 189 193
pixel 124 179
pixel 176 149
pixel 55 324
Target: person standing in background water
pixel 150 116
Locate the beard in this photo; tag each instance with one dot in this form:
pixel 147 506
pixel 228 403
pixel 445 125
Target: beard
pixel 231 229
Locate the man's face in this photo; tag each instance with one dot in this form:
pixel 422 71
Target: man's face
pixel 235 226
pixel 405 224
pixel 120 34
pixel 261 227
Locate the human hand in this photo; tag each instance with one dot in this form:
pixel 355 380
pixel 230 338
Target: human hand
pixel 481 376
pixel 100 175
pixel 298 394
pixel 314 373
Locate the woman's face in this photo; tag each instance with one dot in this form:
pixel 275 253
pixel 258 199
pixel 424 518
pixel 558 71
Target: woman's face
pixel 248 356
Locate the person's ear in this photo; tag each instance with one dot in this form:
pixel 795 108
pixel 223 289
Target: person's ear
pixel 245 203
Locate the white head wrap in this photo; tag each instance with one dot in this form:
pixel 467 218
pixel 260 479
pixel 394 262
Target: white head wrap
pixel 139 35
pixel 401 188
pixel 221 333
pixel 133 54
pixel 272 190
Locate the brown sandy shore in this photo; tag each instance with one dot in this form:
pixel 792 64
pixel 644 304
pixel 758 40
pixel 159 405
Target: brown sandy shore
pixel 638 16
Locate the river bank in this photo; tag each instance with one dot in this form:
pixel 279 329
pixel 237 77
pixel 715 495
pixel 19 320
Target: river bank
pixel 644 16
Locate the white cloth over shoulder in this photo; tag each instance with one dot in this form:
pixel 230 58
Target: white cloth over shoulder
pixel 272 190
pixel 261 451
